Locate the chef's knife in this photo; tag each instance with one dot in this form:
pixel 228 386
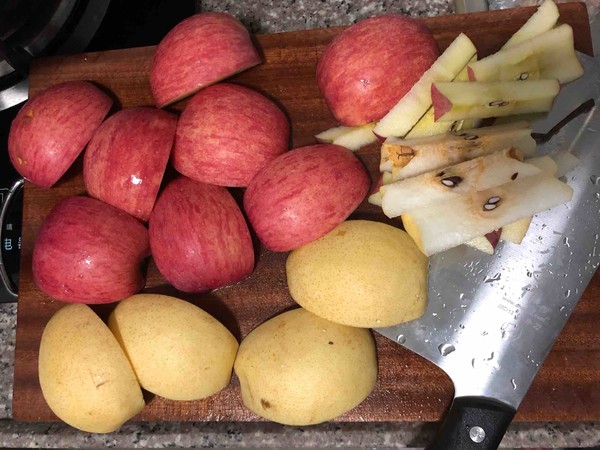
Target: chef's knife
pixel 491 320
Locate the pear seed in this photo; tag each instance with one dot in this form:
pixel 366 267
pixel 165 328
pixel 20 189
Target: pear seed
pixel 451 181
pixel 491 204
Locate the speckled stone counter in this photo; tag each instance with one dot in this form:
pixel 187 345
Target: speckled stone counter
pixel 264 16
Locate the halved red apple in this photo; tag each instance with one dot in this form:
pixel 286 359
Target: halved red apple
pixel 52 129
pixel 199 238
pixel 227 133
pixel 304 194
pixel 199 51
pixel 126 159
pixel 368 67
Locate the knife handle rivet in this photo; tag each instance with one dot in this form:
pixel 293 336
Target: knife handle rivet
pixel 477 434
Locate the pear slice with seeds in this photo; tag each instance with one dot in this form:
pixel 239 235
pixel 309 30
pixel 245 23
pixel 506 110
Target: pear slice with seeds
pixel 406 158
pixel 454 222
pixel 454 181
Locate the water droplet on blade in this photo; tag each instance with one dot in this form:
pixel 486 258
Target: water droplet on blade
pixel 401 339
pixel 446 349
pixel 514 384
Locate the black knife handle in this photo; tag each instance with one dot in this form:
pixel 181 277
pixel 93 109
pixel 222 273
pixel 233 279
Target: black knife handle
pixel 473 423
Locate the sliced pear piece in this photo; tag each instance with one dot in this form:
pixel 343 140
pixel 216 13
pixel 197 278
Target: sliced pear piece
pixel 406 158
pixel 375 198
pixel 515 232
pixel 483 99
pixel 446 225
pixel 387 178
pixel 417 101
pixel 458 180
pixel 482 244
pixel 545 163
pixel 427 126
pixel 541 21
pixel 550 55
pixel 565 162
pixel 353 138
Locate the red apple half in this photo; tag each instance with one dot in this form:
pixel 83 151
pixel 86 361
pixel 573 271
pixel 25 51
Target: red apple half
pixel 89 252
pixel 52 129
pixel 227 133
pixel 126 159
pixel 370 66
pixel 198 52
pixel 304 194
pixel 199 238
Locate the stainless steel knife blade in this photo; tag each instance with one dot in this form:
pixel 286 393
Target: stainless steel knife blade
pixel 491 320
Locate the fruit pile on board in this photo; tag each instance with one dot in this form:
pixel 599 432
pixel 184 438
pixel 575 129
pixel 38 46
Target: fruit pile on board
pixel 316 362
pixel 451 182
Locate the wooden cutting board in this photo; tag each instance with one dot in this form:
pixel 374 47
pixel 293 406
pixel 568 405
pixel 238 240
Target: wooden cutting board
pixel 409 388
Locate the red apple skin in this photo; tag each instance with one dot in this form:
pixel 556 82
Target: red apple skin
pixel 371 65
pixel 304 194
pixel 441 104
pixel 126 159
pixel 199 51
pixel 89 252
pixel 199 238
pixel 52 129
pixel 227 133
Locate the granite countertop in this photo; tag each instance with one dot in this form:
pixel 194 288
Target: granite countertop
pixel 264 16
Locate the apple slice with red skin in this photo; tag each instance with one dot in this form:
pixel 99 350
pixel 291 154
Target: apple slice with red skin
pixel 52 129
pixel 371 65
pixel 227 133
pixel 199 51
pixel 304 194
pixel 199 238
pixel 126 159
pixel 482 99
pixel 89 252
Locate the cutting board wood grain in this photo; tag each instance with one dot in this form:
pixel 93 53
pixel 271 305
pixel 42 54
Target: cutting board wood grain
pixel 409 388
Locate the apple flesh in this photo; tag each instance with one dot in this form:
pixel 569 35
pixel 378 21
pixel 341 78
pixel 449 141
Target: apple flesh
pixel 89 252
pixel 407 112
pixel 371 65
pixel 227 133
pixel 542 20
pixel 125 161
pixel 550 55
pixel 353 138
pixel 199 238
pixel 427 126
pixel 200 51
pixel 304 194
pixel 52 129
pixel 484 99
